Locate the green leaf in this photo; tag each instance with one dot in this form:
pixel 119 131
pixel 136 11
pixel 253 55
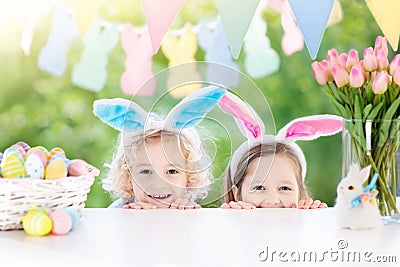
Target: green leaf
pixel 357 108
pixel 387 121
pixel 375 111
pixel 392 109
pixel 344 97
pixel 340 110
pixel 366 111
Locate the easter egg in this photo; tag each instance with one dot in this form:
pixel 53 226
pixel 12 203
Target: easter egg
pixel 34 167
pixel 41 155
pixel 12 166
pixel 73 212
pixel 12 150
pixel 24 145
pixel 20 149
pixel 55 169
pixel 60 156
pixel 1 156
pixel 55 151
pixel 77 167
pixel 62 221
pixel 36 148
pixel 37 223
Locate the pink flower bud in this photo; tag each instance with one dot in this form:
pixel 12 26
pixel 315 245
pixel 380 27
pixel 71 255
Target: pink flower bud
pixel 370 63
pixel 352 59
pixel 381 43
pixel 356 76
pixel 333 57
pixel 394 65
pixel 340 75
pixel 381 59
pixel 380 83
pixel 366 74
pixel 324 64
pixel 396 77
pixel 319 73
pixel 343 59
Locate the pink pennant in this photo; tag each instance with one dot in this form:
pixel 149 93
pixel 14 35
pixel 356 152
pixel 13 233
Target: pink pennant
pixel 159 15
pixel 138 64
pixel 312 129
pixel 233 108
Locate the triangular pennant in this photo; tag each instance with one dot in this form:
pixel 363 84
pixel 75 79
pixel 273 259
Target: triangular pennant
pixel 159 16
pixel 312 17
pixel 236 16
pixel 387 16
pixel 85 12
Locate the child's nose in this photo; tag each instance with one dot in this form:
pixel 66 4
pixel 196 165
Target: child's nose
pixel 271 200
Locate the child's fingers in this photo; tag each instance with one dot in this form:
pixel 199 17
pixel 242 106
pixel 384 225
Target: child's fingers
pixel 315 204
pixel 302 202
pixel 235 205
pixel 183 204
pixel 245 205
pixel 308 203
pixel 225 206
pixel 323 205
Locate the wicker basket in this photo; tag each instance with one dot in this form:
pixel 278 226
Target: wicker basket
pixel 17 196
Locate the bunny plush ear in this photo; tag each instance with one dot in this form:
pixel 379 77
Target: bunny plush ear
pixel 245 117
pixel 194 107
pixel 120 114
pixel 311 127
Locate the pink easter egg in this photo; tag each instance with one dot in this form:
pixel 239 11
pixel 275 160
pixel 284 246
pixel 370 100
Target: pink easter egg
pixel 62 221
pixel 42 156
pixel 77 167
pixel 20 149
pixel 24 145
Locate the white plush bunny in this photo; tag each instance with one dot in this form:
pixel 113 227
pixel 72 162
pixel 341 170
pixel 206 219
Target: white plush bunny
pixel 356 206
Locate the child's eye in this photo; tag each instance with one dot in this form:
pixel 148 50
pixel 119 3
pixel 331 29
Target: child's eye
pixel 284 188
pixel 146 172
pixel 172 171
pixel 259 187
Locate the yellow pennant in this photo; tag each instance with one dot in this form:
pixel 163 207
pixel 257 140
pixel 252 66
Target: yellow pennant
pixel 387 16
pixel 85 12
pixel 336 14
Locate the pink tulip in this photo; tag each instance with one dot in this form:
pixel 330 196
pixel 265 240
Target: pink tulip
pixel 324 64
pixel 380 83
pixel 319 73
pixel 356 77
pixel 394 65
pixel 381 59
pixel 333 57
pixel 340 75
pixel 396 77
pixel 370 63
pixel 352 59
pixel 366 74
pixel 381 43
pixel 343 59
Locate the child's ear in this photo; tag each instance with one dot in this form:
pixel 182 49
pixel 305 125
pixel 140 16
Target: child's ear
pixel 235 192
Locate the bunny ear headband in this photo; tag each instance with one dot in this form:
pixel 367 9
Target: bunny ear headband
pixel 122 114
pixel 251 126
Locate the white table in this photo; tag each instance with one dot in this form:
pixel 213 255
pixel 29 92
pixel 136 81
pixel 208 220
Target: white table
pixel 204 237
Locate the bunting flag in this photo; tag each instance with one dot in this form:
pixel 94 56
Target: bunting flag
pixel 138 63
pixel 85 12
pixel 261 60
pixel 180 51
pixel 159 16
pixel 216 48
pixel 336 14
pixel 90 73
pixel 236 16
pixel 312 17
pixel 53 56
pixel 387 16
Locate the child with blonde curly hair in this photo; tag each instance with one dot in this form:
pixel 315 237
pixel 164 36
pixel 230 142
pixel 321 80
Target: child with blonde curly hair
pixel 159 163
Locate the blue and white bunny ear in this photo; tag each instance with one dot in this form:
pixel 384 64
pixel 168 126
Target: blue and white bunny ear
pixel 120 114
pixel 247 120
pixel 194 107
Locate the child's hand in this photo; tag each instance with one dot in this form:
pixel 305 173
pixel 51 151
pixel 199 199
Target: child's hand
pixel 311 204
pixel 184 204
pixel 238 205
pixel 139 206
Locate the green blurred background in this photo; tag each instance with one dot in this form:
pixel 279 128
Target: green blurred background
pixel 41 109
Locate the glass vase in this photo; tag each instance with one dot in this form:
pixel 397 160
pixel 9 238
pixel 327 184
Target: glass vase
pixel 376 143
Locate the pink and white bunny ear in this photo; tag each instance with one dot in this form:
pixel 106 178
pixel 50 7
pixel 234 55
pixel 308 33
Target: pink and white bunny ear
pixel 120 114
pixel 311 127
pixel 247 120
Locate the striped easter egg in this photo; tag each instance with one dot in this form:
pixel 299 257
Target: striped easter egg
pixel 12 166
pixel 37 223
pixel 36 148
pixel 56 150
